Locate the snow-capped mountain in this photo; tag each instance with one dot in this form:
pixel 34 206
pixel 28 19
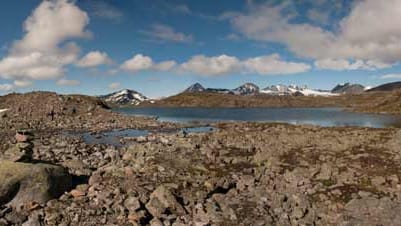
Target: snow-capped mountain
pixel 294 90
pixel 246 89
pixel 195 88
pixel 348 88
pixel 125 97
pixel 252 89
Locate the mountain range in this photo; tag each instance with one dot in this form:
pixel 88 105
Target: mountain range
pixel 131 97
pixel 252 89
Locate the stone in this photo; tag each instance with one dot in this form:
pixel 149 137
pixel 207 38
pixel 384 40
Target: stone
pixel 161 200
pixel 24 183
pixel 77 193
pixel 17 154
pixel 156 222
pixel 132 204
pixel 325 172
pixel 371 211
pixel 378 181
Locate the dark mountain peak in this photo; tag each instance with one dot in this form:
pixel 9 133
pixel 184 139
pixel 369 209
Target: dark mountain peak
pixel 247 89
pixel 348 88
pixel 195 88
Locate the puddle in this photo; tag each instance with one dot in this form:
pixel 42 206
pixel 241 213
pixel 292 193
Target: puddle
pixel 200 129
pixel 113 137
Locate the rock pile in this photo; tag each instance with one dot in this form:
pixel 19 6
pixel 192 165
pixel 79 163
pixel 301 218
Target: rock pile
pixel 24 185
pixel 22 151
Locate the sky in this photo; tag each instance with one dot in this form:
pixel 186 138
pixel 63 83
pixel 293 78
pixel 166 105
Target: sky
pixel 160 47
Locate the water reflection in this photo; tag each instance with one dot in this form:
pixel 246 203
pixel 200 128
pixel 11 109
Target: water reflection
pixel 315 116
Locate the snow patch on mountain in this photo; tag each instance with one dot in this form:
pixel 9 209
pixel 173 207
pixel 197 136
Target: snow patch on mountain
pixel 294 90
pixel 247 89
pixel 124 97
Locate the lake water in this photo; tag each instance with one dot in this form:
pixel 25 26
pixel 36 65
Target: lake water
pixel 314 116
pixel 113 137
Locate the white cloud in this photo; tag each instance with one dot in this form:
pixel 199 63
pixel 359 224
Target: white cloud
pixel 318 16
pixel 44 51
pixel 137 63
pixel 6 87
pixel 66 82
pixel 165 65
pixel 391 76
pixel 341 65
pixel 141 62
pixel 371 32
pixel 167 33
pixel 22 83
pixel 273 65
pixel 232 37
pixel 114 85
pixel 105 10
pixel 184 9
pixel 93 59
pixel 223 64
pixel 112 71
pixel 211 66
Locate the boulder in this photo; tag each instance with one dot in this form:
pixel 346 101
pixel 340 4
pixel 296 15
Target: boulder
pixel 24 183
pixel 162 201
pixel 21 152
pixel 371 211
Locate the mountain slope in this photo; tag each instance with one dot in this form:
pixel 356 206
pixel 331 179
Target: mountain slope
pixel 386 87
pixel 246 89
pixel 195 88
pixel 124 97
pixel 293 90
pixel 348 88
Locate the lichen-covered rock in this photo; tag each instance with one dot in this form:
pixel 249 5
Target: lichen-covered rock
pixel 371 211
pixel 21 152
pixel 162 200
pixel 23 183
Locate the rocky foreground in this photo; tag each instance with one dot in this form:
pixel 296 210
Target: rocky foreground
pixel 241 174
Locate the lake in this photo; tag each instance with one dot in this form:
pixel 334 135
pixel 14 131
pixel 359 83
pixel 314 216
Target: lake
pixel 315 116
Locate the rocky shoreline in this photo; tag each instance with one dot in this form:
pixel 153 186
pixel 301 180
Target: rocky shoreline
pixel 237 174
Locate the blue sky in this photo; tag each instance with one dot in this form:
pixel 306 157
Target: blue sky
pixel 160 47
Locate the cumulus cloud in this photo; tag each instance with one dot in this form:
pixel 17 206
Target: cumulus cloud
pixel 93 59
pixel 273 64
pixel 391 76
pixel 166 33
pixel 141 62
pixel 371 32
pixel 114 85
pixel 22 83
pixel 318 16
pixel 6 87
pixel 165 65
pixel 44 50
pixel 210 66
pixel 223 64
pixel 67 82
pixel 341 64
pixel 137 63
